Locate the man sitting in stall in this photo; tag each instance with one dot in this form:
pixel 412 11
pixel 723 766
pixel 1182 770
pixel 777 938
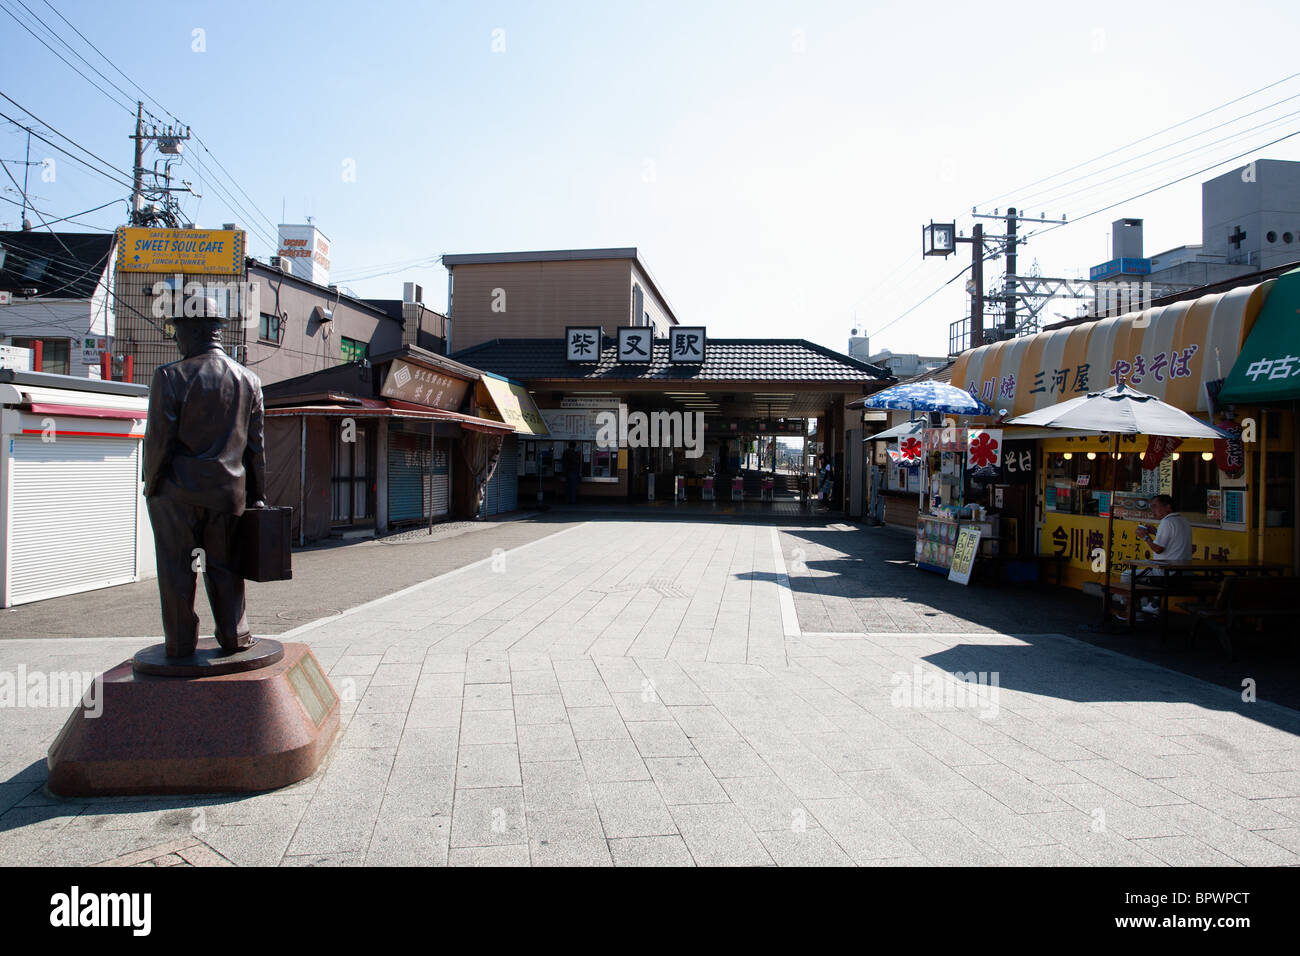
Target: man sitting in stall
pixel 1170 540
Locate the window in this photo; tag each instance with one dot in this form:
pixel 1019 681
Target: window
pixel 55 353
pixel 547 459
pixel 268 327
pixel 352 350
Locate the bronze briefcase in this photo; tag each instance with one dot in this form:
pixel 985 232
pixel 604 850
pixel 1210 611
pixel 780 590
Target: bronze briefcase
pixel 263 544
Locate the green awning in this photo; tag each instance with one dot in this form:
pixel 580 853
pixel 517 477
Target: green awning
pixel 1268 368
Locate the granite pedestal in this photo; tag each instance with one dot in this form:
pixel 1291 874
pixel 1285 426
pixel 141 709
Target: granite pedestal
pixel 212 722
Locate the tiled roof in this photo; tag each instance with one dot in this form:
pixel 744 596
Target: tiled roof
pixel 776 360
pixel 66 265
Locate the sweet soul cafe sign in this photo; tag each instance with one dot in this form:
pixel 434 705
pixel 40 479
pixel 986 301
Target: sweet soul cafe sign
pixel 1169 352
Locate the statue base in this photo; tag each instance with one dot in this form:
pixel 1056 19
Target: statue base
pixel 261 718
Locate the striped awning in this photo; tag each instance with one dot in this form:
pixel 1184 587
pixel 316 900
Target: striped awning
pixel 1169 352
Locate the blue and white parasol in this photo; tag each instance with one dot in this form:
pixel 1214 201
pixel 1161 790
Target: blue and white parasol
pixel 925 396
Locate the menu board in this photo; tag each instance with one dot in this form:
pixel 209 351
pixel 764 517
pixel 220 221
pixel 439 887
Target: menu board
pixel 963 555
pixel 1234 506
pixel 1213 503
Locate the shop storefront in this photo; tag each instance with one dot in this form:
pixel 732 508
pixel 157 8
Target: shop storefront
pixel 366 449
pixel 71 497
pixel 508 401
pixel 1179 353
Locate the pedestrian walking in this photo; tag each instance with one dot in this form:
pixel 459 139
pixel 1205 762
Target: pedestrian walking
pixel 571 464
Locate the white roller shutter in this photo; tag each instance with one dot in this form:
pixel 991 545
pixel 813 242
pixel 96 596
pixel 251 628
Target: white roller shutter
pixel 72 522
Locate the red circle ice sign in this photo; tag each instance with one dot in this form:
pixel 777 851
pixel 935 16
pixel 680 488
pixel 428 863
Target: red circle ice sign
pixel 983 450
pixel 911 449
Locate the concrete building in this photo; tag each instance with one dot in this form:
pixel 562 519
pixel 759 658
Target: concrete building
pixel 291 326
pixel 55 289
pixel 1250 222
pixel 512 295
pixel 859 345
pixel 905 365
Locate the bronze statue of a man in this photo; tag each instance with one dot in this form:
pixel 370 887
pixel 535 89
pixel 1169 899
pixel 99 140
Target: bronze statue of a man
pixel 203 464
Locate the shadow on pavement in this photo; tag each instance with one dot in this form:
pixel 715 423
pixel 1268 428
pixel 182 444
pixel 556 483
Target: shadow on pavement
pixel 873 569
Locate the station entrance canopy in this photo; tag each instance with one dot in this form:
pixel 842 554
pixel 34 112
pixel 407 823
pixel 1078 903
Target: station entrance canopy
pixel 747 381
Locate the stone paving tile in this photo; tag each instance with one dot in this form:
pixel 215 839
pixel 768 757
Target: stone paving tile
pixel 650 851
pixel 813 847
pixel 487 727
pixel 488 697
pixel 540 709
pixel 488 817
pixel 556 785
pixel 546 742
pixel 487 765
pixel 597 723
pixel 632 808
pixel 767 803
pixel 567 838
pixel 717 835
pixel 685 780
pixel 626 696
pixel 610 761
pixel 660 738
pixel 489 856
pixel 1184 851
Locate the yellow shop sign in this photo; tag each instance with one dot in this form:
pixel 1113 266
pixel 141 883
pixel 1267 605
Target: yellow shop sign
pixel 206 251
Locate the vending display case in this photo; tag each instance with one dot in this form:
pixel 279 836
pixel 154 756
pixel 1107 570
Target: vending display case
pixel 936 537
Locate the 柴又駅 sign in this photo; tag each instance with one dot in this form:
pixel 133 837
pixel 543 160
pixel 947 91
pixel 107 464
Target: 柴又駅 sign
pixel 411 383
pixel 206 251
pixel 582 343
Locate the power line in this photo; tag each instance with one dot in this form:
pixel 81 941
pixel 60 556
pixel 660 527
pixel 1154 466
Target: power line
pixel 1218 142
pixel 228 196
pixel 1173 182
pixel 71 218
pixel 56 36
pixel 125 182
pixel 1120 149
pixel 111 63
pixel 41 40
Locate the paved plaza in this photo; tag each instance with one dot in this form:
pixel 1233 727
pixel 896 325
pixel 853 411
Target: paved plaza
pixel 657 692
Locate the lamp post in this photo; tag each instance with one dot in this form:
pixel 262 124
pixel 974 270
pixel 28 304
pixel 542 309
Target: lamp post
pixel 940 239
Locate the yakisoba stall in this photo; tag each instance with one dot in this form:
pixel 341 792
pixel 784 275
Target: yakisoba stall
pixel 1237 495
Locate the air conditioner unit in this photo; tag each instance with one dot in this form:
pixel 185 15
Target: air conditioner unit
pixel 283 263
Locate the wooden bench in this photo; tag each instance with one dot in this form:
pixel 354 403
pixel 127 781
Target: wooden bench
pixel 1242 599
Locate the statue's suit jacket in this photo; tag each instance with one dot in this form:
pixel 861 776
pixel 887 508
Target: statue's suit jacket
pixel 203 443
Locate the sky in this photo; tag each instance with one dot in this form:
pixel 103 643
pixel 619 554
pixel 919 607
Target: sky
pixel 772 163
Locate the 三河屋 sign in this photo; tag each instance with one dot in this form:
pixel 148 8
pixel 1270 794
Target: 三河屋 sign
pixel 206 251
pixel 1168 352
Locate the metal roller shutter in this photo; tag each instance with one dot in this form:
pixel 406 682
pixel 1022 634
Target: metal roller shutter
pixel 441 478
pixel 503 488
pixel 409 456
pixel 73 526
